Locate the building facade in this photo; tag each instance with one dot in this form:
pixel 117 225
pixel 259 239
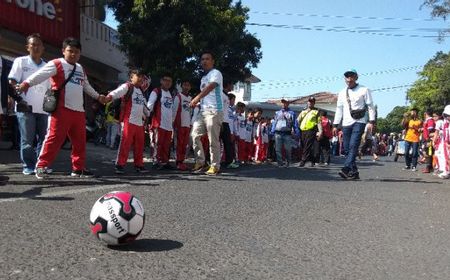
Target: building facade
pixel 55 20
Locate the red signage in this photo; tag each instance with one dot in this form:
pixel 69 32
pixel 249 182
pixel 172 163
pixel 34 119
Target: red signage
pixel 53 19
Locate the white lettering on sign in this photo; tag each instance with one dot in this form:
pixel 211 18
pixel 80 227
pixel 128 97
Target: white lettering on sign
pixel 46 9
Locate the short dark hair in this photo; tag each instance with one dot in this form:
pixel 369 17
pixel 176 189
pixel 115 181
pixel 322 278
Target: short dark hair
pixel 208 52
pixel 429 111
pixel 186 81
pixel 71 42
pixel 167 75
pixel 34 36
pixel 258 109
pixel 136 71
pixel 231 96
pixel 240 105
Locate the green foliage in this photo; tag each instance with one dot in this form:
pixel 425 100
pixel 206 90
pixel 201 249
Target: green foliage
pixel 392 122
pixel 439 8
pixel 169 35
pixel 432 89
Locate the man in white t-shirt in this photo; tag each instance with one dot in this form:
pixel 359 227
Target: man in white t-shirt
pixel 32 120
pixel 210 118
pixel 356 98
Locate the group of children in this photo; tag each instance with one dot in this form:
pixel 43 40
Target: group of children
pixel 169 118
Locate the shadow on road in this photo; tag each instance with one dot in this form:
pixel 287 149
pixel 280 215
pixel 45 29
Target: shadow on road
pixel 396 180
pixel 149 245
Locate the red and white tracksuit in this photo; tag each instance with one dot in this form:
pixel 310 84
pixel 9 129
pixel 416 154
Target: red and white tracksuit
pixel 133 112
pixel 441 149
pixel 262 141
pixel 161 102
pixel 69 118
pixel 182 123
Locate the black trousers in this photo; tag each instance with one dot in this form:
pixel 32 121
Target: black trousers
pixel 324 150
pixel 310 145
pixel 228 146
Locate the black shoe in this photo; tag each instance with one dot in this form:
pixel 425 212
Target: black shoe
pixel 166 166
pixel 141 169
pixel 301 164
pixel 82 174
pixel 119 169
pixel 344 173
pixel 353 176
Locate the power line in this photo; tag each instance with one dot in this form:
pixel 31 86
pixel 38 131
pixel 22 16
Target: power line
pixel 360 30
pixel 382 89
pixel 274 84
pixel 342 16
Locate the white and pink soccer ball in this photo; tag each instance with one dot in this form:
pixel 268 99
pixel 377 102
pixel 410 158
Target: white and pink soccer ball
pixel 117 218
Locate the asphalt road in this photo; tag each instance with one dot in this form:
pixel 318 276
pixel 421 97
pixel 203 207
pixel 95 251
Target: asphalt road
pixel 259 222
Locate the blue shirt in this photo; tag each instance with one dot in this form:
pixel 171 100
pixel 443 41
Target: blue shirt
pixel 285 121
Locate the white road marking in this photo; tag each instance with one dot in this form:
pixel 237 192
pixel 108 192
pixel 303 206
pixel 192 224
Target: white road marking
pixel 77 191
pixel 108 187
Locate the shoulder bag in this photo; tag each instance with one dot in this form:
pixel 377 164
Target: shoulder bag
pixel 356 114
pixel 51 96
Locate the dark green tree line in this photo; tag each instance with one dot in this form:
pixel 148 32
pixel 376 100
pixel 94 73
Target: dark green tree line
pixel 169 35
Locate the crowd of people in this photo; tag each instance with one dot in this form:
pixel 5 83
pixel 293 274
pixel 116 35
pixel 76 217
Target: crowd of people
pixel 209 125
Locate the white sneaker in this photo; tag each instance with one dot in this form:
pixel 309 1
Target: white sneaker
pixel 444 175
pixel 413 168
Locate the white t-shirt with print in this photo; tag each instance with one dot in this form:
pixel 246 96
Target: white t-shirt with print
pixel 226 105
pixel 22 68
pixel 185 110
pixel 212 101
pixel 166 119
pixel 138 110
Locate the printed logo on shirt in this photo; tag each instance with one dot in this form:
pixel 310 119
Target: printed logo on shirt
pixel 77 78
pixel 167 102
pixel 185 105
pixel 26 69
pixel 139 99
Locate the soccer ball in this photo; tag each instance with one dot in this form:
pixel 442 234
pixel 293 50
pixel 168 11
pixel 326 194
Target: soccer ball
pixel 117 218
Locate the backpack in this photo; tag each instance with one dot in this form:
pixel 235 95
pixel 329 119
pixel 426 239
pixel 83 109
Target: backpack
pixel 156 107
pixel 326 127
pixel 118 106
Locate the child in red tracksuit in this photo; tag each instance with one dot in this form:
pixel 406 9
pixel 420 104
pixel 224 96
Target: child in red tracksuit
pixel 160 104
pixel 262 141
pixel 240 132
pixel 249 137
pixel 182 122
pixel 132 115
pixel 68 120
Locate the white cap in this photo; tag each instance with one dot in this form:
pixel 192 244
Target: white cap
pixel 447 110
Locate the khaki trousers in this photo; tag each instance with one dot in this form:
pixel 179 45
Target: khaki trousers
pixel 208 122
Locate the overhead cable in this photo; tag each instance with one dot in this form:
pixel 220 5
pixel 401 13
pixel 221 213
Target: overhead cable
pixel 341 16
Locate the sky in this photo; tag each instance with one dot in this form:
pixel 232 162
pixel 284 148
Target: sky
pixel 387 42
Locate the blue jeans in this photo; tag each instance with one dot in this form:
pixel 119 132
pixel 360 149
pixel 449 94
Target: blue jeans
pixel 33 128
pixel 352 138
pixel 411 157
pixel 286 140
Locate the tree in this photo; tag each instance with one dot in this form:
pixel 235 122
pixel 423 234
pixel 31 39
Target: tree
pixel 392 122
pixel 432 89
pixel 439 8
pixel 169 35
